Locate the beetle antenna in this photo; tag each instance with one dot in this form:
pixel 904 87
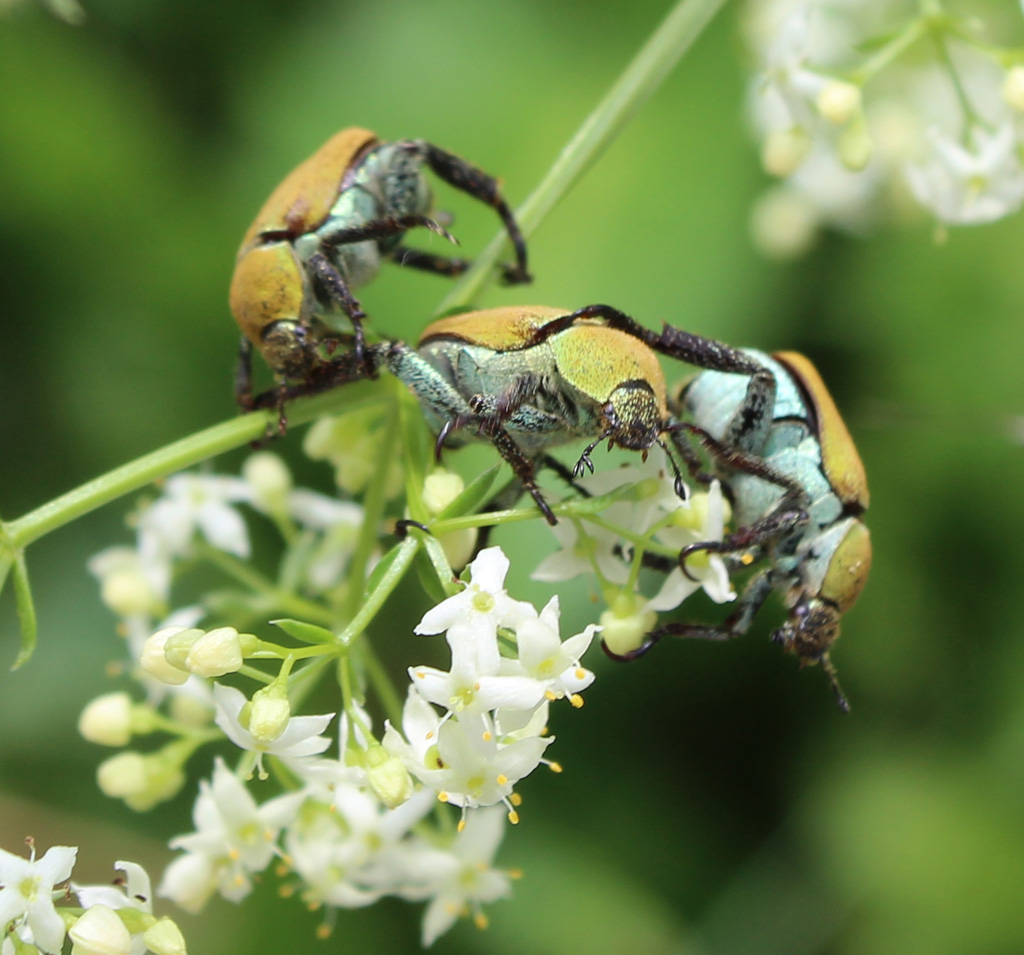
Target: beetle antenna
pixel 833 681
pixel 681 487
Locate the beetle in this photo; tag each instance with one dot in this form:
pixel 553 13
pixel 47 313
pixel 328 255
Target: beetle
pixel 324 232
pixel 798 490
pixel 528 378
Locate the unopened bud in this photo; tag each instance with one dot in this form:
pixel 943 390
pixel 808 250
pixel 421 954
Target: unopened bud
pixel 141 781
pixel 154 661
pixel 269 713
pixel 624 626
pixel 164 938
pixel 100 931
pixel 387 777
pixel 215 653
pixel 839 101
pixel 270 480
pixel 784 151
pixel 107 720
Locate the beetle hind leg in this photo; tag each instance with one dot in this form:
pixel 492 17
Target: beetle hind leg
pixel 475 182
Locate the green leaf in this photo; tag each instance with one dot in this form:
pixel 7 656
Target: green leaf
pixel 305 632
pixel 427 570
pixel 26 610
pixel 473 495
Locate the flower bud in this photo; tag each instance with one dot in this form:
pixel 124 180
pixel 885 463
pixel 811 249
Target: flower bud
pixel 1013 88
pixel 839 101
pixel 141 781
pixel 784 151
pixel 164 938
pixel 783 223
pixel 624 626
pixel 154 661
pixel 270 480
pixel 107 720
pixel 100 932
pixel 387 777
pixel 127 593
pixel 215 653
pixel 269 713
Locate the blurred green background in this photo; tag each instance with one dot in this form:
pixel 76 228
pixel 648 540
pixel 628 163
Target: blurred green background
pixel 714 800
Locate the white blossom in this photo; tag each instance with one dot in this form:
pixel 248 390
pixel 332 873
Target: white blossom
pixel 26 898
pixel 464 876
pixel 234 839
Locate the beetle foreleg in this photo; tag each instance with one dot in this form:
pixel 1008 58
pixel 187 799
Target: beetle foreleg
pixel 243 376
pixel 475 182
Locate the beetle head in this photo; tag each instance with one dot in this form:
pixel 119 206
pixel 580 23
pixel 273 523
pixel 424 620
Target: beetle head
pixel 290 348
pixel 810 631
pixel 633 416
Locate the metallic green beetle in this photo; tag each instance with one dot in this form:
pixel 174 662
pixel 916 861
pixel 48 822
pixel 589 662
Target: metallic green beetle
pixel 528 378
pixel 324 232
pixel 798 489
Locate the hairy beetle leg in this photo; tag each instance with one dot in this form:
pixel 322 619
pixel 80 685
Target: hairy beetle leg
pixel 475 182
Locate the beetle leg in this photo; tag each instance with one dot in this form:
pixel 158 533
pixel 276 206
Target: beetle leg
pixel 385 228
pixel 584 463
pixel 739 460
pixel 332 281
pixel 476 183
pixel 777 524
pixel 243 376
pixel 523 468
pixel 426 262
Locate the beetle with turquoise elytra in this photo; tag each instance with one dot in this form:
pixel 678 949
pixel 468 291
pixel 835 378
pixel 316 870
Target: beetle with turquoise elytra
pixel 529 378
pixel 799 511
pixel 324 232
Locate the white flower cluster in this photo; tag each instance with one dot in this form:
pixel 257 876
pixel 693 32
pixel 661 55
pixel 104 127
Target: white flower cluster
pixel 866 107
pixel 613 548
pixel 110 920
pixel 347 830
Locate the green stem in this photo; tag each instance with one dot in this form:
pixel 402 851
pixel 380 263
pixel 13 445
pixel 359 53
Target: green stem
pixel 375 600
pixel 374 504
pixel 159 464
pixel 641 78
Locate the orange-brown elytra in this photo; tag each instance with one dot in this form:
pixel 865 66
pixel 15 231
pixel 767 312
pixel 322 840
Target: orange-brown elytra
pixel 324 232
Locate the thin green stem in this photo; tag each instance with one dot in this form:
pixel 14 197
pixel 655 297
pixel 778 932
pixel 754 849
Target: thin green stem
pixel 151 467
pixel 641 78
pixel 373 511
pixel 381 682
pixel 375 600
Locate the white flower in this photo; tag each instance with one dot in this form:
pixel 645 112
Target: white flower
pixel 464 876
pixel 543 657
pixel 965 186
pixel 585 548
pixel 234 839
pixel 27 893
pixel 464 760
pixel 352 854
pixel 193 503
pixel 136 893
pixel 301 736
pixel 483 605
pixel 708 569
